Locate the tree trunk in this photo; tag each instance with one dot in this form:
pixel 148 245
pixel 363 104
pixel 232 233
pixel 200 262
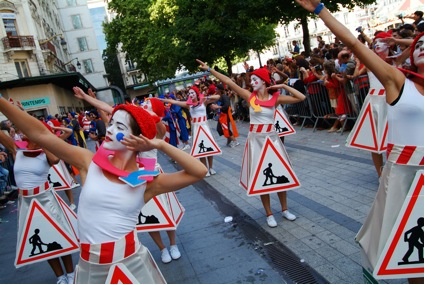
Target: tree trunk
pixel 306 36
pixel 229 64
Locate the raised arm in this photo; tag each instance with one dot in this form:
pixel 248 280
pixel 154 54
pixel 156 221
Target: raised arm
pixel 193 169
pixel 211 99
pixel 92 100
pixel 391 78
pixel 175 102
pixel 65 132
pixel 39 134
pixel 245 94
pixel 296 97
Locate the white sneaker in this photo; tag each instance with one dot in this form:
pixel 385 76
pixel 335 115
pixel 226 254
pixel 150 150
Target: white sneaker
pixel 208 174
pixel 165 256
pixel 186 147
pixel 73 207
pixel 288 215
pixel 236 143
pixel 70 277
pixel 212 171
pixel 174 251
pixel 62 280
pixel 75 185
pixel 271 221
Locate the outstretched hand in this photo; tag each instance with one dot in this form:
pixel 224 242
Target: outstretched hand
pixel 91 93
pixel 309 5
pixel 79 93
pixel 140 143
pixel 202 65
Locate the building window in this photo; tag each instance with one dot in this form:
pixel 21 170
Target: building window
pixel 346 18
pixel 62 110
pixel 88 66
pixel 71 2
pixel 22 69
pixel 9 24
pixel 82 43
pixel 76 21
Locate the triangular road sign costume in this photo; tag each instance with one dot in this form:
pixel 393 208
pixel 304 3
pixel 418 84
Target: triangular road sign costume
pixel 371 127
pixel 203 142
pixel 403 255
pixel 59 177
pixel 282 124
pixel 162 212
pixel 44 232
pixel 119 274
pixel 265 164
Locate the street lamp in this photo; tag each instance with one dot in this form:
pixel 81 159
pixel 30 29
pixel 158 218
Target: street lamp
pixel 78 63
pixel 62 42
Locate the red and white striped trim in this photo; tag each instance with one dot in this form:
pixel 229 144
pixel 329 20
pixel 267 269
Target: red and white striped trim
pixel 261 128
pixel 110 252
pixel 405 154
pixel 35 191
pixel 199 119
pixel 378 92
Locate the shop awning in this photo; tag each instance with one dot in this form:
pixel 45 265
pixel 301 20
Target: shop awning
pixel 64 80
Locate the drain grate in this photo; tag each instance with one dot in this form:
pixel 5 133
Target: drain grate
pixel 283 259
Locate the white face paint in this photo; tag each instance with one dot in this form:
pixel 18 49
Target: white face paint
pixel 380 46
pixel 256 82
pixel 192 95
pixel 118 128
pixel 147 105
pixel 418 52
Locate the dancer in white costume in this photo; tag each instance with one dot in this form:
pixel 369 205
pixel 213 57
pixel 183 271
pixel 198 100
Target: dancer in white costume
pixel 31 167
pixel 156 108
pixel 405 137
pixel 374 107
pixel 202 149
pixel 262 130
pixel 108 207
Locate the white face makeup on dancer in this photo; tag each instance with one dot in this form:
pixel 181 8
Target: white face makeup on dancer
pixel 147 105
pixel 256 82
pixel 418 52
pixel 380 46
pixel 192 95
pixel 119 127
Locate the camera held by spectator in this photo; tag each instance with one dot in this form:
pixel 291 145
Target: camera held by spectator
pixel 318 67
pixel 400 16
pixel 359 29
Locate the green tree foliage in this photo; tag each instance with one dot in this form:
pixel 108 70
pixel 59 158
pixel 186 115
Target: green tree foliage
pixel 165 35
pixel 112 67
pixel 286 11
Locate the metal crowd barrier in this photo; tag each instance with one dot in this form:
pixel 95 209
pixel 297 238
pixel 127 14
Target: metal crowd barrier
pixel 300 110
pixel 320 104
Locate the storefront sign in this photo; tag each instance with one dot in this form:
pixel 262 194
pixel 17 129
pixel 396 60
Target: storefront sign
pixel 35 102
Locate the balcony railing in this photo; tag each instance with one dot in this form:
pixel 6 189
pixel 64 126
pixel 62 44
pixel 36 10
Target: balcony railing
pixel 18 42
pixel 48 47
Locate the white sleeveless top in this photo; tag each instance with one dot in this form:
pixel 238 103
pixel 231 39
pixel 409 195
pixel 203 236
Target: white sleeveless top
pixel 107 211
pixel 374 83
pixel 198 111
pixel 265 116
pixel 30 172
pixel 406 117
